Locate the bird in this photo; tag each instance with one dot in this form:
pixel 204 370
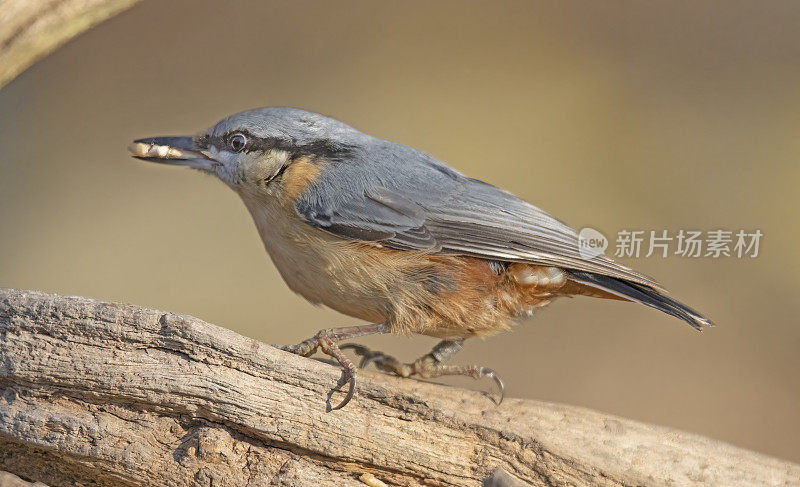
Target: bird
pixel 388 234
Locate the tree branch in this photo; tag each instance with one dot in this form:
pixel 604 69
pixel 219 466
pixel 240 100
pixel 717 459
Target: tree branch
pixel 30 29
pixel 114 394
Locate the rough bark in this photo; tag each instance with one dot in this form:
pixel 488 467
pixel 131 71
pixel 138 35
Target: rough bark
pixel 29 29
pixel 115 394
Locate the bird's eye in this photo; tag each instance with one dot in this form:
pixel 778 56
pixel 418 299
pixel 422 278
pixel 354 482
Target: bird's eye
pixel 237 142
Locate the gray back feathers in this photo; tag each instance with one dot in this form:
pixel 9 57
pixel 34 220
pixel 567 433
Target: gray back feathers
pixel 375 190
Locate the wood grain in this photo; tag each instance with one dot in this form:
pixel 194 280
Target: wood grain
pixel 115 394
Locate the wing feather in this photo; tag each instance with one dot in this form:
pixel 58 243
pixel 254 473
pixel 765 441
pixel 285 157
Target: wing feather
pixel 426 205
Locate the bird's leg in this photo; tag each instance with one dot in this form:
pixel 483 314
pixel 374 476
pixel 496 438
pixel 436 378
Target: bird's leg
pixel 326 340
pixel 429 365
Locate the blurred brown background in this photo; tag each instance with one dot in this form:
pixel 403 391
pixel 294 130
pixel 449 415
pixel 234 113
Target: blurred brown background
pixel 651 115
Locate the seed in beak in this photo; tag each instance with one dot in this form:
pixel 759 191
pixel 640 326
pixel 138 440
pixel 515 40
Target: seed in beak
pixel 140 149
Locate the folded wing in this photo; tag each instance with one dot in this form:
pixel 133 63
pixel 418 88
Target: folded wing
pixel 406 199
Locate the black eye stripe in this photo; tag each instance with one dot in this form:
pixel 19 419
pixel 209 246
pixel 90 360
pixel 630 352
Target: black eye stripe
pixel 322 147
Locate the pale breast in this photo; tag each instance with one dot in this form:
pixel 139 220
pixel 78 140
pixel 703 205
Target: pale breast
pixel 414 292
pixel 321 267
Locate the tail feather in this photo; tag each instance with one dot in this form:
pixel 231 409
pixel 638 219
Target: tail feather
pixel 641 294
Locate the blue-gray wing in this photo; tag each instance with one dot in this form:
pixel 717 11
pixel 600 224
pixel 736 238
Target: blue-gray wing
pixel 408 200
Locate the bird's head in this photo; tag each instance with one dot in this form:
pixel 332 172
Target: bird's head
pixel 251 151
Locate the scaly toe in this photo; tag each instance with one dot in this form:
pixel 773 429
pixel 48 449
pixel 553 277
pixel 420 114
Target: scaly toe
pixel 382 361
pixel 367 355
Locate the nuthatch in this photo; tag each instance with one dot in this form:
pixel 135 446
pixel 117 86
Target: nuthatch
pixel 387 234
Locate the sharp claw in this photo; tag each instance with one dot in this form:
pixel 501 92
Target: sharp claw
pixel 502 386
pixel 327 341
pixel 486 372
pixel 350 392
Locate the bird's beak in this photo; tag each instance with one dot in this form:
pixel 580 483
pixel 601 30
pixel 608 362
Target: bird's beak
pixel 178 151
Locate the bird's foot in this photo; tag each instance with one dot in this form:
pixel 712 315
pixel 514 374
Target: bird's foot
pixel 427 366
pixel 326 341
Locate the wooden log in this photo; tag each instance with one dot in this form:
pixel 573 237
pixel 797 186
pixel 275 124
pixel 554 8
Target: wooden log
pixel 30 29
pixel 115 394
